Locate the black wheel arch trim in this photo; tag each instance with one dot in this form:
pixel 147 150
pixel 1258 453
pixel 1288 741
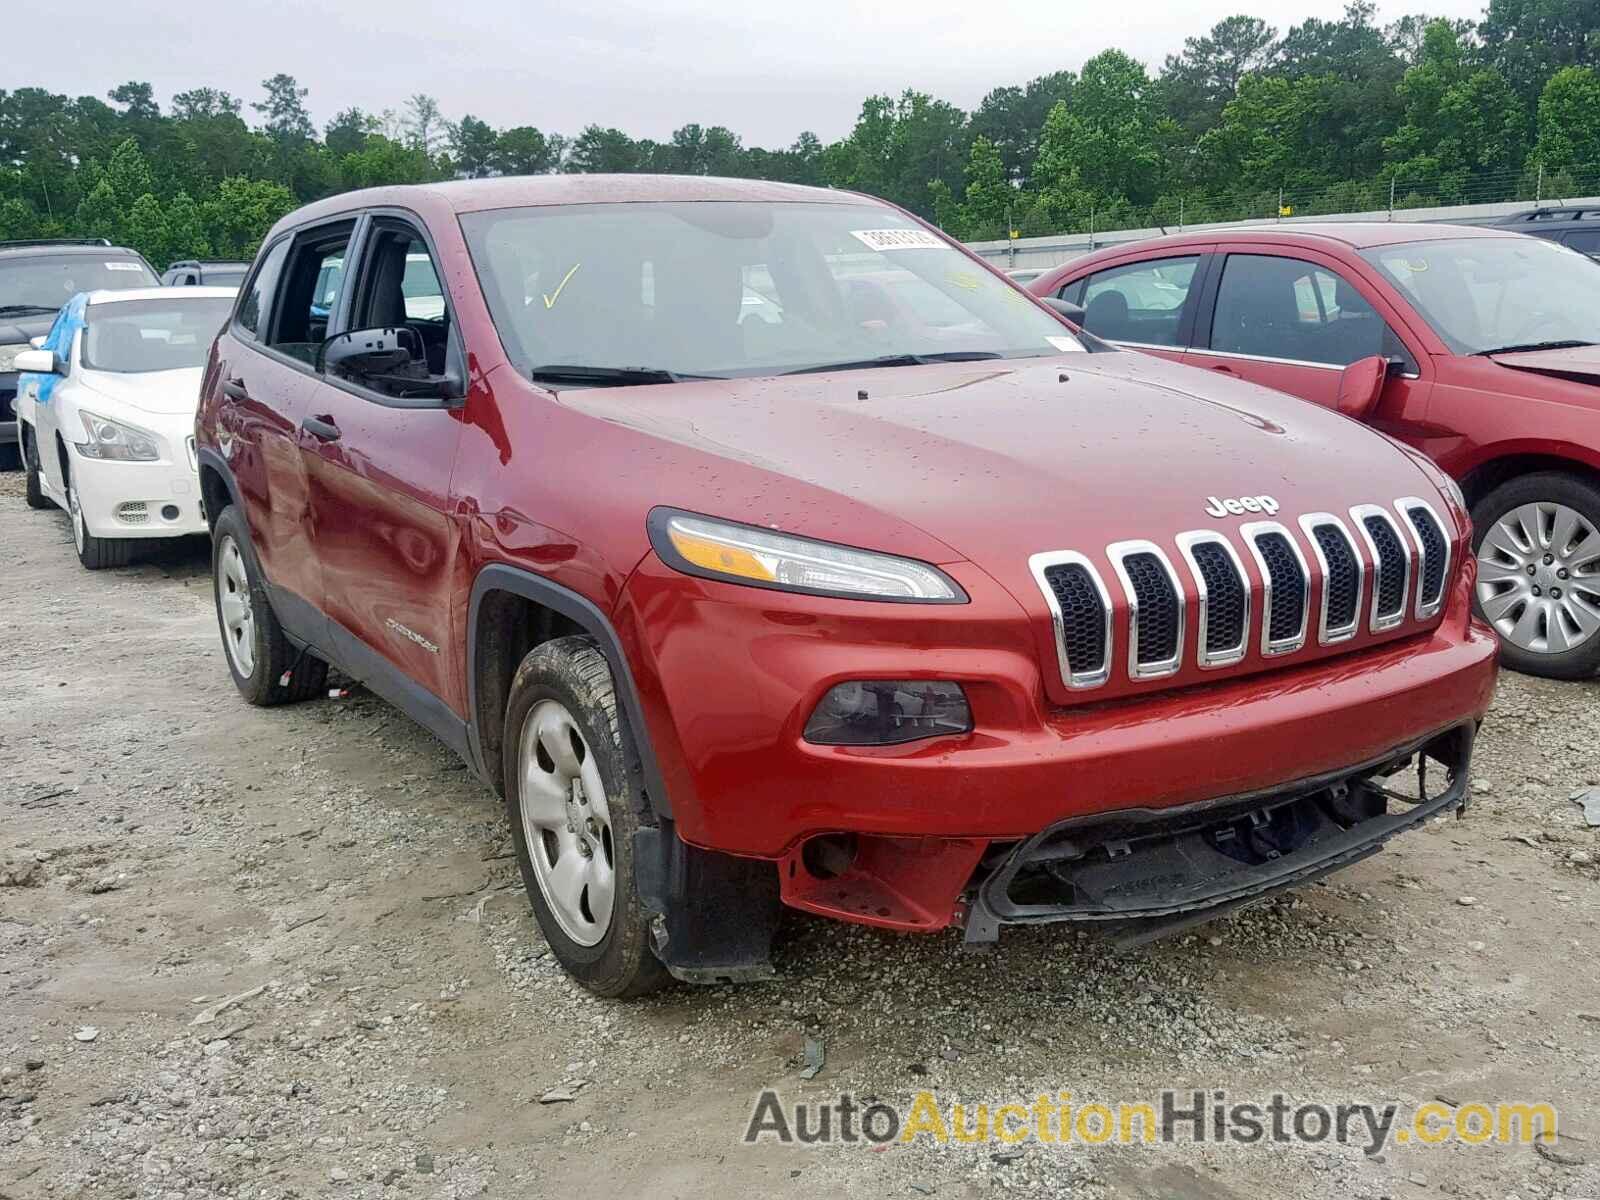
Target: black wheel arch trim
pixel 498 577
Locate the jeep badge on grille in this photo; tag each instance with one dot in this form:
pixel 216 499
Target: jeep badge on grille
pixel 1244 504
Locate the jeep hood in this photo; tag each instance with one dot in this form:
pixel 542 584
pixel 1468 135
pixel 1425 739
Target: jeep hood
pixel 1001 460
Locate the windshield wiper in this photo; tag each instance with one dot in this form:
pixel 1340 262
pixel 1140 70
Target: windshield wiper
pixel 899 360
pixel 17 310
pixel 1565 344
pixel 601 376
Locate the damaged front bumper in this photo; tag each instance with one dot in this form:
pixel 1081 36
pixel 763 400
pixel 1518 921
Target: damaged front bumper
pixel 1147 873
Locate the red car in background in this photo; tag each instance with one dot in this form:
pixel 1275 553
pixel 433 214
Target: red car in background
pixel 1476 346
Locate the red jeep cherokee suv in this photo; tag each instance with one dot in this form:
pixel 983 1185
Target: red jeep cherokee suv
pixel 1480 347
pixel 761 545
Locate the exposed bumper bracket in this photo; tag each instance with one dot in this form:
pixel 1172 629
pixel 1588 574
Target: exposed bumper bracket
pixel 1147 873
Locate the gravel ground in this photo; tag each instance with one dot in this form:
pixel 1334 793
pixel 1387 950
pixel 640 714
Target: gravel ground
pixel 274 953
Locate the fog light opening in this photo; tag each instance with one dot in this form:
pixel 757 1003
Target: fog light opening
pixel 830 855
pixel 887 712
pixel 169 512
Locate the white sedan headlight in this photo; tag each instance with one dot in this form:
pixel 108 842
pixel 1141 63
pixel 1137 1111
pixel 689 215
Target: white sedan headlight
pixel 758 557
pixel 115 442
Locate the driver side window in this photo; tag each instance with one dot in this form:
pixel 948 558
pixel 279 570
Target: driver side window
pixel 399 290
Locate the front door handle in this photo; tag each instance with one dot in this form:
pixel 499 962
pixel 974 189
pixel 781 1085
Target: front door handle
pixel 1223 369
pixel 234 389
pixel 321 428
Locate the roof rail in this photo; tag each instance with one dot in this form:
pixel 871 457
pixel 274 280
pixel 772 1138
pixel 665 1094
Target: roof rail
pixel 1554 210
pixel 57 242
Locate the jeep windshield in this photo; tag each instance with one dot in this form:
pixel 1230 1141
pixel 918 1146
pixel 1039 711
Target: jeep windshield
pixel 1485 295
pixel 44 284
pixel 650 292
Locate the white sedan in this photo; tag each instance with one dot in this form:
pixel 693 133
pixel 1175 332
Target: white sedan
pixel 106 409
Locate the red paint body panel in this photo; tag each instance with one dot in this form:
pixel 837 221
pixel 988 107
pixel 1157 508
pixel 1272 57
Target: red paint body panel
pixel 972 466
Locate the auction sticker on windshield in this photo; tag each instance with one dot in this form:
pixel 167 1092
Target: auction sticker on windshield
pixel 898 239
pixel 122 266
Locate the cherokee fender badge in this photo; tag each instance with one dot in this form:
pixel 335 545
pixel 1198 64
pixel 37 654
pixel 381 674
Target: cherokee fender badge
pixel 1238 507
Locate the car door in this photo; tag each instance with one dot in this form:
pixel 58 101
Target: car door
pixel 1294 321
pixel 379 464
pixel 1148 304
pixel 63 341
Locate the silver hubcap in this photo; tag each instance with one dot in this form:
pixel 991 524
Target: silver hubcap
pixel 233 600
pixel 1539 578
pixel 75 510
pixel 566 823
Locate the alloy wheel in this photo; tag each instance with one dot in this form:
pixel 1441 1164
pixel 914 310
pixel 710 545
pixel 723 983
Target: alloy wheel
pixel 1539 577
pixel 233 599
pixel 75 511
pixel 566 822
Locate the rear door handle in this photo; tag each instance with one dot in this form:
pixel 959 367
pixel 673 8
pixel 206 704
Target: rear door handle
pixel 234 389
pixel 321 428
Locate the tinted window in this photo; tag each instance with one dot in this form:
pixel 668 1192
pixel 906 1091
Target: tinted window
pixel 741 288
pixel 1141 302
pixel 152 335
pixel 254 306
pixel 1585 240
pixel 1271 307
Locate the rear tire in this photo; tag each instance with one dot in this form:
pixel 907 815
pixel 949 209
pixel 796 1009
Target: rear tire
pixel 577 809
pixel 30 462
pixel 95 553
pixel 257 650
pixel 1516 528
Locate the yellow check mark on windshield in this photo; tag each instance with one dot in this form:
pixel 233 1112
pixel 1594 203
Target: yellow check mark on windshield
pixel 550 300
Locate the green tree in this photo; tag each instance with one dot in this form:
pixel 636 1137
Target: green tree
pixel 1197 84
pixel 1530 40
pixel 524 151
pixel 474 145
pixel 284 109
pixel 347 133
pixel 1569 119
pixel 598 150
pixel 145 230
pixel 99 213
pixel 129 174
pixel 1012 117
pixel 1105 143
pixel 238 216
pixel 186 232
pixel 988 207
pixel 204 103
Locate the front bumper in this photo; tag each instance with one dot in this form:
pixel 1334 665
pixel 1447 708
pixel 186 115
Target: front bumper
pixel 138 499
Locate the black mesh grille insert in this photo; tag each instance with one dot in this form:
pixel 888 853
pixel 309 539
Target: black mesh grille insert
pixel 1433 553
pixel 1224 597
pixel 1083 617
pixel 1344 576
pixel 1158 607
pixel 1284 621
pixel 1391 565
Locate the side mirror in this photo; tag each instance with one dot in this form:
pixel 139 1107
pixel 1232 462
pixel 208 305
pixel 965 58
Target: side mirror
pixel 42 362
pixel 1361 385
pixel 1069 310
pixel 388 360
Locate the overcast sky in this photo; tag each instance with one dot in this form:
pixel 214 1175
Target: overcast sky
pixel 766 68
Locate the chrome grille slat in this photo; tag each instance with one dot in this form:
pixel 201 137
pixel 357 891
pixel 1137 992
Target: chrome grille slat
pixel 1076 597
pixel 1222 591
pixel 1344 576
pixel 1285 586
pixel 1432 545
pixel 1154 597
pixel 1391 572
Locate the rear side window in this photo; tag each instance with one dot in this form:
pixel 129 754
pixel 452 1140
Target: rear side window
pixel 308 292
pixel 1274 307
pixel 1141 302
pixel 253 307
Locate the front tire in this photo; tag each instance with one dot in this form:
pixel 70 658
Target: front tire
pixel 1537 540
pixel 95 553
pixel 257 650
pixel 573 800
pixel 30 461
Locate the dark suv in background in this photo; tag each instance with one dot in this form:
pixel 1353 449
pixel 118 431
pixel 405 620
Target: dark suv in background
pixel 36 279
pixel 195 272
pixel 1578 228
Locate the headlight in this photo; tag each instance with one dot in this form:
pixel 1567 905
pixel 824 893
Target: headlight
pixel 116 442
pixel 8 355
pixel 760 558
